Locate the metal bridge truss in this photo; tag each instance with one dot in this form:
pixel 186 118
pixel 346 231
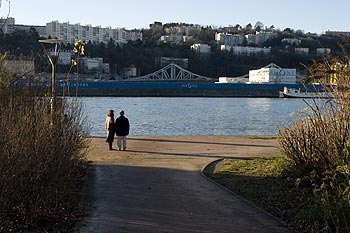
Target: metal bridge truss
pixel 171 72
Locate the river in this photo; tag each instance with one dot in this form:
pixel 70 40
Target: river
pixel 160 116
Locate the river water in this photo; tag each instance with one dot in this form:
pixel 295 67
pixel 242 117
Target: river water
pixel 160 116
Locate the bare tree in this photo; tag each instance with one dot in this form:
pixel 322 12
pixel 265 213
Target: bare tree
pixel 7 15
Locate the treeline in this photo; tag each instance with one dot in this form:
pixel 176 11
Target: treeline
pixel 143 53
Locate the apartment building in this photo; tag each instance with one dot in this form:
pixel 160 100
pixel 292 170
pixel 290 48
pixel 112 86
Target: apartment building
pixel 246 50
pixel 183 30
pixel 201 48
pixel 20 66
pixel 174 38
pixel 93 65
pixel 291 41
pixel 229 39
pixel 302 50
pixel 95 34
pixel 323 51
pixel 64 58
pixel 259 37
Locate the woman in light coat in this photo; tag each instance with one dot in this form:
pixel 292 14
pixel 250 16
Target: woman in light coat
pixel 110 128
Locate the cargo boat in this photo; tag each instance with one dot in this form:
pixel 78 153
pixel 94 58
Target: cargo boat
pixel 297 93
pixel 167 89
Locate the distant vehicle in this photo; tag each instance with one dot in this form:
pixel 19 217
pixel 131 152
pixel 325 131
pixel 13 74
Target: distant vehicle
pixel 297 93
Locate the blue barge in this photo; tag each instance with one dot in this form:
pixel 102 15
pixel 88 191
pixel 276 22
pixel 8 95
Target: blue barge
pixel 170 89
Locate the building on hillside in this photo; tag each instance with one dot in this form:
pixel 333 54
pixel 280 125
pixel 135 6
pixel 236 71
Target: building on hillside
pixel 273 74
pixel 7 24
pixel 20 66
pixel 193 30
pixel 259 37
pixel 291 41
pixel 175 30
pixel 323 51
pixel 164 61
pixel 64 58
pixel 342 33
pixel 174 38
pixel 246 50
pixel 302 50
pixel 133 35
pixel 183 30
pixel 130 71
pixel 72 32
pixel 201 48
pixel 94 65
pixel 156 26
pixel 229 39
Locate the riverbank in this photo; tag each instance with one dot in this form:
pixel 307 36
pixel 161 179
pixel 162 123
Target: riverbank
pixel 157 186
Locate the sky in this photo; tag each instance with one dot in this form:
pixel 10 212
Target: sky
pixel 314 16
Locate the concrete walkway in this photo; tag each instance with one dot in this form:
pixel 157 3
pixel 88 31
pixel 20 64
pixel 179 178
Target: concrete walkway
pixel 157 186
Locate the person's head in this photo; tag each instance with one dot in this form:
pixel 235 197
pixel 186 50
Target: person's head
pixel 110 113
pixel 122 113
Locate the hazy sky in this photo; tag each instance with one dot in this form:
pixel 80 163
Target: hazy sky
pixel 307 15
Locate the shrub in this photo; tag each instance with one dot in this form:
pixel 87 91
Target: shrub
pixel 41 160
pixel 318 144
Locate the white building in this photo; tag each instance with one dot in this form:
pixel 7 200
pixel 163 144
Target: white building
pixel 302 50
pixel 64 58
pixel 94 65
pixel 72 32
pixel 201 48
pixel 323 51
pixel 273 74
pixel 133 35
pixel 229 39
pixel 291 41
pixel 259 37
pixel 246 50
pixel 174 38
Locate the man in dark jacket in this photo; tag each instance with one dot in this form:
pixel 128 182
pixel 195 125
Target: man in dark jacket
pixel 122 127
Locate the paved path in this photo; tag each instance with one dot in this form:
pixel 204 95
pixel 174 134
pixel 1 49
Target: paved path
pixel 157 186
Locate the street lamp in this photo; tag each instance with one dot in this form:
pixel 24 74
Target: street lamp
pixel 53 58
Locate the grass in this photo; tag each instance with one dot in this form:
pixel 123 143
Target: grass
pixel 263 182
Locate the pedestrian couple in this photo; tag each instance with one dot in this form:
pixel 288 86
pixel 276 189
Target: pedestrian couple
pixel 120 127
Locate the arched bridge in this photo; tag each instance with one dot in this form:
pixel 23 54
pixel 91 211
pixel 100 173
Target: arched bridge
pixel 170 72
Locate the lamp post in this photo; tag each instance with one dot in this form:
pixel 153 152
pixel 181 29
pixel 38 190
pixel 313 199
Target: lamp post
pixel 53 58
